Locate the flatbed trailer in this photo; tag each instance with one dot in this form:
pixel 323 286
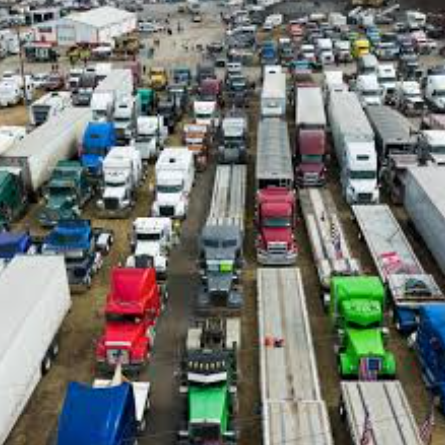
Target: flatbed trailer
pixel 229 196
pixel 290 386
pixel 398 266
pixel 390 415
pixel 329 245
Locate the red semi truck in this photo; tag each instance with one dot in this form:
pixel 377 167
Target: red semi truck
pixel 310 149
pixel 275 200
pixel 132 309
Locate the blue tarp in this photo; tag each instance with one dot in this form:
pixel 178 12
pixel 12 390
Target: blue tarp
pixel 97 416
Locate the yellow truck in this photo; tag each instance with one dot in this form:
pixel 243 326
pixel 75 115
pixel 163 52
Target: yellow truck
pixel 360 47
pixel 157 78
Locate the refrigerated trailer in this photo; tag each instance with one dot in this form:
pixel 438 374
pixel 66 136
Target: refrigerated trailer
pixel 390 416
pixel 38 299
pixel 409 285
pixel 38 153
pixel 274 159
pixel 290 386
pixel 329 245
pixel 424 201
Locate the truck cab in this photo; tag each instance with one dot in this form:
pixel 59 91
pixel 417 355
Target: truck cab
pixel 182 75
pixel 13 197
pixel 67 192
pixel 359 175
pixel 98 139
pixel 387 78
pixel 124 119
pixel 430 347
pixel 233 145
pixel 408 98
pixel 275 219
pixel 151 134
pixel 220 259
pixel 145 102
pixel 205 112
pixel 368 90
pixel 82 246
pixel 210 90
pixel 197 140
pixel 209 383
pixel 325 54
pixel 432 145
pixel 357 311
pixel 435 93
pixel 16 243
pixel 360 47
pixel 151 241
pixel 122 173
pixel 311 170
pixel 167 109
pixel 158 78
pixel 132 309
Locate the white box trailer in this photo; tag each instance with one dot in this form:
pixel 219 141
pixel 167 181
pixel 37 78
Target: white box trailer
pixel 310 113
pixel 390 415
pixel 38 153
pixel 38 299
pixel 424 201
pixel 274 95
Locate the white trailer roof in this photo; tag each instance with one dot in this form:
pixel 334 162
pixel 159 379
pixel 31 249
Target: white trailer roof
pixel 274 85
pixel 274 160
pixel 345 105
pixel 22 283
pixel 118 80
pixel 390 415
pixel 290 386
pixel 310 111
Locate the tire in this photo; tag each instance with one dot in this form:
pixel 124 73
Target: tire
pixel 142 425
pixel 55 349
pixel 87 281
pixel 46 363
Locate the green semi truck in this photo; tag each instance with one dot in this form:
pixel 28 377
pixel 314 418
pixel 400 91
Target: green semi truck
pixel 357 312
pixel 208 383
pixel 13 197
pixel 67 192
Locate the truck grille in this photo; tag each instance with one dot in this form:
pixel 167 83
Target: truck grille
pixel 115 356
pixel 364 197
pixel 276 248
pixel 166 211
pixel 111 203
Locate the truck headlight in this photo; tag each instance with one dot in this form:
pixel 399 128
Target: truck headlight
pixel 100 203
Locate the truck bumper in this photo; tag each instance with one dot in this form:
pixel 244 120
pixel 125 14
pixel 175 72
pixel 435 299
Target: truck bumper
pixel 131 368
pixel 267 259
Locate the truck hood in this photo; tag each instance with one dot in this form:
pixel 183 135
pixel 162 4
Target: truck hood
pixel 438 158
pixel 311 168
pixel 361 312
pixel 91 161
pixel 439 102
pixel 364 186
pixel 276 235
pixel 114 192
pixel 122 332
pixel 367 342
pixel 168 199
pixel 152 249
pixel 219 282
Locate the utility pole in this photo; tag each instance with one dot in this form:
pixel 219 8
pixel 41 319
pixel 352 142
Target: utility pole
pixel 22 68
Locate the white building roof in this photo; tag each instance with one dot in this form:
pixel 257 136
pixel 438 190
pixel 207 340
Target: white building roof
pixel 101 17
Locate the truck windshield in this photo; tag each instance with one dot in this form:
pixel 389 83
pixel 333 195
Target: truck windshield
pixel 439 93
pixel 169 188
pixel 148 236
pixel 370 93
pixel 203 115
pixel 277 222
pixel 115 183
pixel 312 159
pixel 124 318
pixel 97 151
pixel 205 433
pixel 362 174
pixel 386 79
pixel 437 149
pixel 60 190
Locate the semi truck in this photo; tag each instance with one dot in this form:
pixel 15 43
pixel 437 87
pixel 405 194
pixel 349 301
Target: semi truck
pixel 116 409
pixel 48 106
pixel 275 215
pixel 175 175
pixel 425 205
pixel 124 117
pixel 357 312
pixel 39 302
pixel 354 144
pixel 122 174
pixel 151 133
pixel 330 248
pixel 394 133
pixel 389 413
pixel 39 152
pixel 208 382
pixel 119 82
pixel 310 140
pixel 233 140
pixel 409 286
pixel 132 310
pixel 221 243
pixel 292 403
pixel 97 141
pixel 66 193
pixel 274 95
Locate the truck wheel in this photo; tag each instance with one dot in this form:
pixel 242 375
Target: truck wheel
pixel 46 363
pixel 342 411
pixel 55 349
pixel 87 281
pixel 142 425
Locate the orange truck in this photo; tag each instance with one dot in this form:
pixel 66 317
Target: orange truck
pixel 197 140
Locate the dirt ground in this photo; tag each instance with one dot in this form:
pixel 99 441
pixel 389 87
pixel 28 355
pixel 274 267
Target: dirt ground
pixel 85 322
